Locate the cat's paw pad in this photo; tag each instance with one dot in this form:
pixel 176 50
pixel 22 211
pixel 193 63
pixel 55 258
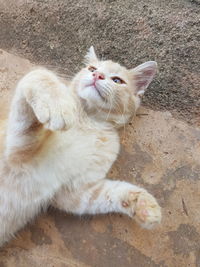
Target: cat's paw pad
pixel 143 207
pixel 147 211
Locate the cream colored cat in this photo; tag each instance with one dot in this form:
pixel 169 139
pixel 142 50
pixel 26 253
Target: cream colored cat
pixel 61 140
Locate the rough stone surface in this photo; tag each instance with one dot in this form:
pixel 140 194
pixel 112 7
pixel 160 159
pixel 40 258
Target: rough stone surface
pixel 159 153
pixel 59 32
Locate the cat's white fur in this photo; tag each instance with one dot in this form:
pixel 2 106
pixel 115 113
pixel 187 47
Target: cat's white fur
pixel 60 142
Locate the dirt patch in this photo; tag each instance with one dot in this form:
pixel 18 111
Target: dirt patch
pixel 59 32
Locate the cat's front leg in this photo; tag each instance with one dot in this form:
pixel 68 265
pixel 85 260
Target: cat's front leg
pixel 52 101
pixel 41 103
pixel 111 196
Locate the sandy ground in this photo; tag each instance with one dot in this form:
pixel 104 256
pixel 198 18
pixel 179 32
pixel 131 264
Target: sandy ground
pixel 160 150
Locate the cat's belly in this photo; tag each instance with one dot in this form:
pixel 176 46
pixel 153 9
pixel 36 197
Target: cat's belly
pixel 79 156
pixel 73 158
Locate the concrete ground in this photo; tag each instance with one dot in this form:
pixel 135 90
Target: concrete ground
pixel 160 147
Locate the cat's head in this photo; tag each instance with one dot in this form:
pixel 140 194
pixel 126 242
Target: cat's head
pixel 112 92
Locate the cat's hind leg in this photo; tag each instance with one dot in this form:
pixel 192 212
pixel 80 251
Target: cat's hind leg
pixel 111 196
pixel 41 104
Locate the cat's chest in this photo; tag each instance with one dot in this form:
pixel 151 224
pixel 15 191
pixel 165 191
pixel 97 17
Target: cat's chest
pixel 80 153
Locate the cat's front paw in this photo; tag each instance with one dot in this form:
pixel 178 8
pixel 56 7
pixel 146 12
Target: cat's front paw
pixel 144 208
pixel 147 211
pixel 54 114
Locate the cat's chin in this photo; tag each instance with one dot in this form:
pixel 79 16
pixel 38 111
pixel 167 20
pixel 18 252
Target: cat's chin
pixel 91 93
pixel 98 92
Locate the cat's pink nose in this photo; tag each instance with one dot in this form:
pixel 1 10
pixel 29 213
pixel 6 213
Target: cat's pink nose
pixel 98 76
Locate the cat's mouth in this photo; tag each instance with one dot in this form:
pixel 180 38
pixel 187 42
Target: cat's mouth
pixel 98 91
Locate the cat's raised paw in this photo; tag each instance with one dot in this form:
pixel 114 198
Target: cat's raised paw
pixel 53 113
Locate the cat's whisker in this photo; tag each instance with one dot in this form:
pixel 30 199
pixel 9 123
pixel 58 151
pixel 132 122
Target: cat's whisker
pixel 109 92
pixel 110 98
pixel 121 112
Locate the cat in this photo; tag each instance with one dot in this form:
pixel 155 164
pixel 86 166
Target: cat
pixel 60 140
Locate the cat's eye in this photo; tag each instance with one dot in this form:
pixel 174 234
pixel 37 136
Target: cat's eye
pixel 117 80
pixel 92 68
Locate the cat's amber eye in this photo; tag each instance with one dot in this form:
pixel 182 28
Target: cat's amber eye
pixel 92 68
pixel 117 80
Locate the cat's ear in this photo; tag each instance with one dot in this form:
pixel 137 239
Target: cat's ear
pixel 91 55
pixel 143 76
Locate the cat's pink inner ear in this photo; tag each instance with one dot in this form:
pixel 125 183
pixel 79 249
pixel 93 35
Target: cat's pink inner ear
pixel 143 76
pixel 91 55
